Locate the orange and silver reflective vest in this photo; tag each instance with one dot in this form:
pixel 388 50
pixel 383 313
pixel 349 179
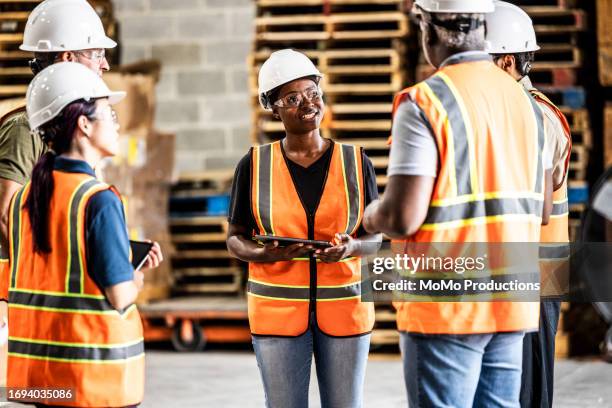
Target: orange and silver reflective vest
pixel 555 250
pixel 63 331
pixel 490 186
pixel 282 295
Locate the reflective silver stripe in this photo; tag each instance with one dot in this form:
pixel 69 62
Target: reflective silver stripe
pixel 264 199
pixel 539 186
pixel 351 175
pixel 348 291
pixel 283 292
pixel 303 293
pixel 15 235
pixel 460 140
pixel 559 251
pixel 560 208
pixel 74 280
pixel 39 300
pixel 72 352
pixel 483 208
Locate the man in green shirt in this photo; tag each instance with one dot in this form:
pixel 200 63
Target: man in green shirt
pixel 53 36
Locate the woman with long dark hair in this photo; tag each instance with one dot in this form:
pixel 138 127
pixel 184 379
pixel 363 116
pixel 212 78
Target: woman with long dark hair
pixel 304 300
pixel 74 327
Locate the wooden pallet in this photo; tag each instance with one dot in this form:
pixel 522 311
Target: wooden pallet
pixel 326 7
pixel 202 263
pixel 12 91
pixel 344 61
pixel 580 126
pixel 317 27
pixel 607 142
pixel 579 158
pixel 204 182
pixel 604 39
pixel 551 19
pixel 561 4
pixel 198 229
pixel 209 281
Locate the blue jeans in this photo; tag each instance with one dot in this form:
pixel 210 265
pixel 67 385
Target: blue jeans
pixel 285 362
pixel 460 371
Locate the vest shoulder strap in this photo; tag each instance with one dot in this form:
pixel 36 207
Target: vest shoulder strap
pixel 541 98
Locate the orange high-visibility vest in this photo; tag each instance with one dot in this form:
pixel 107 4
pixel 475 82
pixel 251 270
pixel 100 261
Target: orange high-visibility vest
pixel 554 253
pixel 281 295
pixel 490 136
pixel 63 331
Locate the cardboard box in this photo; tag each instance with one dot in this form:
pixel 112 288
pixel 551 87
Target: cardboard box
pixel 137 111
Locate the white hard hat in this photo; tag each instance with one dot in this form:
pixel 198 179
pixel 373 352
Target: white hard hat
pixel 61 84
pixel 509 30
pixel 456 6
pixel 64 25
pixel 280 68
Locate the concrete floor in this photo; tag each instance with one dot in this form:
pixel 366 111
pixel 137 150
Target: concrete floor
pixel 220 379
pixel 231 379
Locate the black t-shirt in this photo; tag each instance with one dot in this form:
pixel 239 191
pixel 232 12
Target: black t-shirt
pixel 308 183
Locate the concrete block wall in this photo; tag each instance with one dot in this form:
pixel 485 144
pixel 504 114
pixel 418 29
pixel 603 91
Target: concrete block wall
pixel 203 93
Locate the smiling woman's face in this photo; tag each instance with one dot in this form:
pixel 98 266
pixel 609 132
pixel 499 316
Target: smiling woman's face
pixel 305 117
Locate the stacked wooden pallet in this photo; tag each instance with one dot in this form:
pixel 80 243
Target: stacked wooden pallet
pixel 559 72
pixel 15 75
pixel 198 212
pixel 360 46
pixel 604 38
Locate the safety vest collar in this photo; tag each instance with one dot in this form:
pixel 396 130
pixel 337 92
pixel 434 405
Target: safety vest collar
pixel 466 56
pixel 264 158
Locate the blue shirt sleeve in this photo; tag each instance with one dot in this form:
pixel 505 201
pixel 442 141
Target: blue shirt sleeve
pixel 108 246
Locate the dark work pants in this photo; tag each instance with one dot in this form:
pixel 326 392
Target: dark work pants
pixel 539 359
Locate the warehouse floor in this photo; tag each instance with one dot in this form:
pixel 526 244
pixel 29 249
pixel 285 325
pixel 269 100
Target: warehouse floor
pixel 223 379
pixel 231 379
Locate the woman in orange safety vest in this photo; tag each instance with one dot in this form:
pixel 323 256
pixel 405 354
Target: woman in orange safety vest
pixel 74 330
pixel 304 300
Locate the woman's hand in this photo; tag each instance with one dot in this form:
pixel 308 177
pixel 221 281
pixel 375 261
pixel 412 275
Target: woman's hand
pixel 155 257
pixel 344 246
pixel 271 252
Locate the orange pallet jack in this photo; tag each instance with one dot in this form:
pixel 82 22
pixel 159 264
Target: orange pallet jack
pixel 190 323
